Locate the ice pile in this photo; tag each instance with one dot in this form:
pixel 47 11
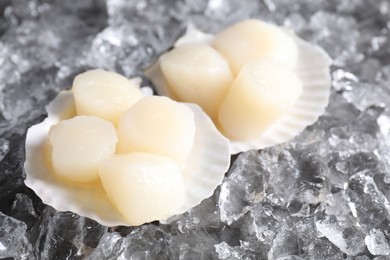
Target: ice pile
pixel 324 195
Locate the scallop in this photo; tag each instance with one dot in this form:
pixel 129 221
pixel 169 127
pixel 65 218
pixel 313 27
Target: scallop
pixel 203 171
pixel 311 65
pixel 78 146
pixel 261 94
pixel 144 186
pixel 253 39
pixel 157 125
pixel 197 73
pixel 104 94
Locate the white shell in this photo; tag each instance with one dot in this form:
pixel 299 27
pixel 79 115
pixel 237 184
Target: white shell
pixel 205 168
pixel 313 70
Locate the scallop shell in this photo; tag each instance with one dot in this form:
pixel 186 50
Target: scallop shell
pixel 205 168
pixel 313 70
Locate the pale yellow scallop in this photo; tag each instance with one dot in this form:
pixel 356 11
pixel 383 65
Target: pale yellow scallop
pixel 104 94
pixel 78 146
pixel 253 39
pixel 261 94
pixel 197 73
pixel 143 186
pixel 157 125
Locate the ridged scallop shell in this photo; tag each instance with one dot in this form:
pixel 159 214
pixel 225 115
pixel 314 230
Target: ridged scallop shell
pixel 313 70
pixel 205 168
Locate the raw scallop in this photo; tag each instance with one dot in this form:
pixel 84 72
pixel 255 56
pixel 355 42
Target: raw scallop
pixel 197 73
pixel 253 39
pixel 78 146
pixel 157 125
pixel 144 187
pixel 104 94
pixel 261 94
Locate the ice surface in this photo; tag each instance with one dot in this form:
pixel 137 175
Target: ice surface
pixel 4 147
pixel 323 195
pixel 59 235
pixel 377 243
pixel 335 221
pixel 13 238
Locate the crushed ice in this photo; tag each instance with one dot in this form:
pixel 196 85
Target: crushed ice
pixel 324 195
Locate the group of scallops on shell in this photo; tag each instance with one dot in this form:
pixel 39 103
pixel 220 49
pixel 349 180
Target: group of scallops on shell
pixel 137 146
